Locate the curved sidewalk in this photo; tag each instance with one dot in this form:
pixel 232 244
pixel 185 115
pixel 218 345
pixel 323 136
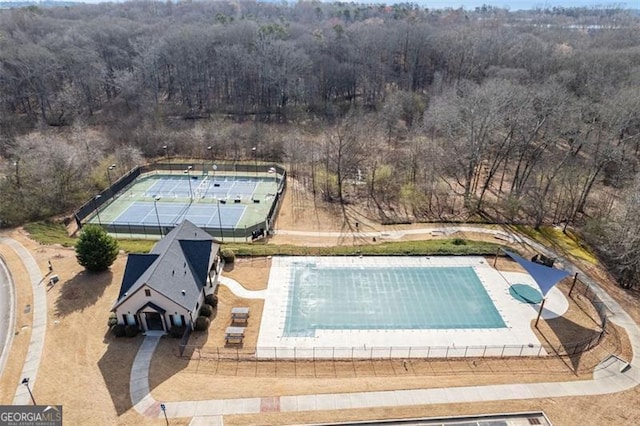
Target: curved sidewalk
pixel 613 375
pixel 237 289
pixel 39 325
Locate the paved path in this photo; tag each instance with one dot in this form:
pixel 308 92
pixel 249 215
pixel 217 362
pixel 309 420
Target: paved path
pixel 237 289
pixel 39 327
pixel 612 375
pixel 7 314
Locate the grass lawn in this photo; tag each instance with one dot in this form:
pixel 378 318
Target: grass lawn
pixel 48 233
pixel 566 242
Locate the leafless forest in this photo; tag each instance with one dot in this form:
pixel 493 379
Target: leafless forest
pixel 413 114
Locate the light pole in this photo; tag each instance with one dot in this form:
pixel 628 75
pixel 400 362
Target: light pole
pixel 188 173
pixel 111 167
pixel 220 222
pixel 166 155
pixel 25 382
pixel 164 410
pixel 275 175
pixel 210 149
pixel 95 199
pixel 214 168
pixel 17 164
pixel 155 206
pixel 255 159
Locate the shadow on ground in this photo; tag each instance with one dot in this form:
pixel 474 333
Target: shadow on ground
pixel 115 367
pixel 167 362
pixel 81 291
pixel 573 339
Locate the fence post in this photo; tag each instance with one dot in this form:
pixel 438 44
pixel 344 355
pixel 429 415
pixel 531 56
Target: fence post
pixel 502 354
pixel 575 278
pixel 484 351
pixel 540 312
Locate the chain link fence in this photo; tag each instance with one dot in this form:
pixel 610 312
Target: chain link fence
pixel 576 357
pixel 138 230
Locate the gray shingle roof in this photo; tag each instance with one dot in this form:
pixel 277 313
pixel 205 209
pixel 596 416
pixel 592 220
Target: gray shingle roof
pixel 180 268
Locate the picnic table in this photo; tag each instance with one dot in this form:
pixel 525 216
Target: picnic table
pixel 239 314
pixel 234 334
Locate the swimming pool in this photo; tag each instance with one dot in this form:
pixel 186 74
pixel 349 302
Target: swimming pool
pixel 374 297
pixel 400 306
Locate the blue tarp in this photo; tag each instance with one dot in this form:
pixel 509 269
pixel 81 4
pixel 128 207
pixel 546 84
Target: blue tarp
pixel 545 276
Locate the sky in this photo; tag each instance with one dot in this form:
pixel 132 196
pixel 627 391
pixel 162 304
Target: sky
pixel 471 4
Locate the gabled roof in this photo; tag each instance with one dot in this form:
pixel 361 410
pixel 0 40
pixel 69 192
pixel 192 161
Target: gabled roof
pixel 545 276
pixel 137 264
pixel 198 253
pixel 152 306
pixel 177 266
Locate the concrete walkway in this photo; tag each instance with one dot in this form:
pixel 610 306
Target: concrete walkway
pixel 39 327
pixel 7 313
pixel 237 289
pixel 612 375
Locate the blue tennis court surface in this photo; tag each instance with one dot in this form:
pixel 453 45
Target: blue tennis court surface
pixel 198 187
pixel 338 298
pixel 204 215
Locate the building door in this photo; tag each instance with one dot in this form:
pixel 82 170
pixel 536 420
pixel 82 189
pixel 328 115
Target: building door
pixel 154 321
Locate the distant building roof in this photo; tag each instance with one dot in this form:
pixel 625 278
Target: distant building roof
pixel 177 266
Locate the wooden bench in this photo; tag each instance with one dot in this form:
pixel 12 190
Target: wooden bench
pixel 234 334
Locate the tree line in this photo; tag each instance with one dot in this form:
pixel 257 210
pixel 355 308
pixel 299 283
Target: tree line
pixel 414 114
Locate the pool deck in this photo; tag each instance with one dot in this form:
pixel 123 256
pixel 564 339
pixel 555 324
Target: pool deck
pixel 611 376
pixel 515 339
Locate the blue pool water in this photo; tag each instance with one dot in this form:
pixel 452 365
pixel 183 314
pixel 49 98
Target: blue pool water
pixel 338 298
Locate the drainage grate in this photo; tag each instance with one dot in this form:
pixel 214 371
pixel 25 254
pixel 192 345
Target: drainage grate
pixel 534 421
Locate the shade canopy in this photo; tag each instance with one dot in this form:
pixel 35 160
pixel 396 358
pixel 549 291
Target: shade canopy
pixel 546 277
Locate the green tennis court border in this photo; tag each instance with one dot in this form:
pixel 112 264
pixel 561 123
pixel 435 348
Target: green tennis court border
pixel 260 211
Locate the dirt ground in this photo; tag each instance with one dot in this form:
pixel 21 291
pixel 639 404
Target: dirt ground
pixel 81 358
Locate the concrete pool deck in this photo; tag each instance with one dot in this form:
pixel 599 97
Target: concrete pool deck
pixel 516 338
pixel 610 377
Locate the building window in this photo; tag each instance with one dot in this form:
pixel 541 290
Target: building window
pixel 147 292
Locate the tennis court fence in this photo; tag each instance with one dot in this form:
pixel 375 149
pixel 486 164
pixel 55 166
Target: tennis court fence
pixel 137 230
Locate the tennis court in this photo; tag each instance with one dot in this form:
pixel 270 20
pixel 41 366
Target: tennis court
pixel 202 215
pixel 217 188
pixel 225 205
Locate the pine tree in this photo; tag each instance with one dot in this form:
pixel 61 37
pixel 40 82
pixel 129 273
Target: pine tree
pixel 95 249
